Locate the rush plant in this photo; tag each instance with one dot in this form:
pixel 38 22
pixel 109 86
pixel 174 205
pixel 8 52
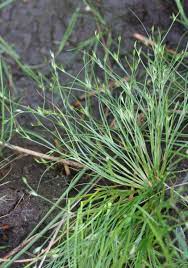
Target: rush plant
pixel 130 133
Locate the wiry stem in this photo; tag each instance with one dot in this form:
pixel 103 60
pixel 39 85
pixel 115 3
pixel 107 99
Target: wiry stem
pixel 41 155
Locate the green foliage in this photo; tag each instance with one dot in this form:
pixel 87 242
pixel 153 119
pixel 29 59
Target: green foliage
pixel 114 228
pixel 135 153
pixel 68 31
pixel 130 134
pixel 183 16
pixel 133 222
pixel 5 3
pixel 6 109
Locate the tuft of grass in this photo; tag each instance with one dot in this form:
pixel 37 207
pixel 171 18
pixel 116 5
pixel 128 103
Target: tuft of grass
pixel 111 229
pixel 139 150
pixel 133 137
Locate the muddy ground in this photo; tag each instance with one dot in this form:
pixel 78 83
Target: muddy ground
pixel 34 28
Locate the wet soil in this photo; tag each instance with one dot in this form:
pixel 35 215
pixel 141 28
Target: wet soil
pixel 34 28
pixel 19 210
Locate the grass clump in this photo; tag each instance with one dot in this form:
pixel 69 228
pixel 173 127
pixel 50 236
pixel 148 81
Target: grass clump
pixel 133 138
pixel 115 229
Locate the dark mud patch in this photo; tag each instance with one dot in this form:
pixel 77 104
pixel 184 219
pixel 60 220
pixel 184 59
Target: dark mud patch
pixel 19 210
pixel 19 214
pixel 34 28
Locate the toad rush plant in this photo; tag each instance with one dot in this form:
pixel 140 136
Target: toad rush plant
pixel 132 137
